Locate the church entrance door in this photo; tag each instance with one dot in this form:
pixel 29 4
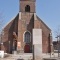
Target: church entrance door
pixel 27 41
pixel 27 48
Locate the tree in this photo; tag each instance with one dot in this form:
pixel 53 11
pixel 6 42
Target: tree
pixel 58 39
pixel 1 26
pixel 57 32
pixel 1 21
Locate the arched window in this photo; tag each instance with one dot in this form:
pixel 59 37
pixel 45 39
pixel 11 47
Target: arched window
pixel 27 37
pixel 27 8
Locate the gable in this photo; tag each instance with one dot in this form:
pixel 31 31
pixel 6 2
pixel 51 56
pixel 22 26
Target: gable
pixel 8 25
pixel 43 23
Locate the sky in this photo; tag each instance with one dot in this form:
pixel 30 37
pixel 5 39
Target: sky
pixel 47 10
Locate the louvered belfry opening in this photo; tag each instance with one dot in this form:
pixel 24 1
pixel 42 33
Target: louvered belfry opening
pixel 27 8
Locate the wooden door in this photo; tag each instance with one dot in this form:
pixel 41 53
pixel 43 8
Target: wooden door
pixel 27 48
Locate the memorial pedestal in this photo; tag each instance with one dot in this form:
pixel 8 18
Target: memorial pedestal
pixel 37 42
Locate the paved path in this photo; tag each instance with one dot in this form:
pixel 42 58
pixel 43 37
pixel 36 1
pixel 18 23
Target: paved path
pixel 18 56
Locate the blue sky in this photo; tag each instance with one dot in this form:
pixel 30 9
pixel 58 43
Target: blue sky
pixel 47 10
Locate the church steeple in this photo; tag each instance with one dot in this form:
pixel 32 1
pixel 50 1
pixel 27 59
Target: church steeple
pixel 27 6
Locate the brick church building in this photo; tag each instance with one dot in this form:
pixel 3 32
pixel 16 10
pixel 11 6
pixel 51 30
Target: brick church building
pixel 18 34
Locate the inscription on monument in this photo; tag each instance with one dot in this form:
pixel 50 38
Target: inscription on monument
pixel 37 36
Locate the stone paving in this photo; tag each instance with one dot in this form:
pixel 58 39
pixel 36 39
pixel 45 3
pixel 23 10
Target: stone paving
pixel 30 56
pixel 17 57
pixel 51 56
pixel 8 57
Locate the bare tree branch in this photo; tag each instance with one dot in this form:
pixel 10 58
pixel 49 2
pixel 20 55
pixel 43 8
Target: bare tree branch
pixel 1 21
pixel 57 31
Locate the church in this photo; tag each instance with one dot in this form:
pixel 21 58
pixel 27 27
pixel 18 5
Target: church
pixel 26 31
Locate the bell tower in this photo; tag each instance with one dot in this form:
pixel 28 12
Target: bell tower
pixel 27 6
pixel 26 23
